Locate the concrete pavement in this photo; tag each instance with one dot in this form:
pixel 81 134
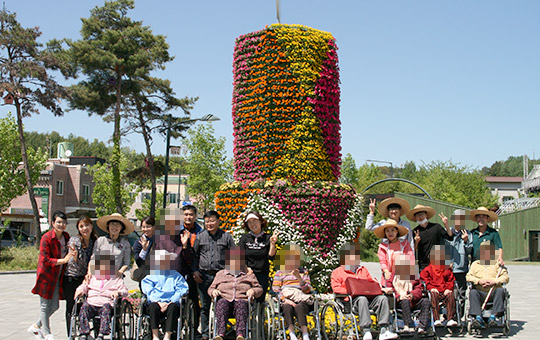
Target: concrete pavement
pixel 19 307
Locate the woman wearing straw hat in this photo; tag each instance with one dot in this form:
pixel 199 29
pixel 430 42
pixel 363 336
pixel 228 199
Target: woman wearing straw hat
pixel 427 234
pixel 116 226
pixel 391 246
pixel 391 208
pixel 483 232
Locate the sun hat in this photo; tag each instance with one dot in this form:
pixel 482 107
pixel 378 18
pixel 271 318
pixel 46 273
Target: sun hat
pixel 251 216
pixel 104 220
pixel 430 212
pixel 379 232
pixel 492 216
pixel 383 207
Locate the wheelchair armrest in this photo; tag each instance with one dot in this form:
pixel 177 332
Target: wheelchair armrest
pixel 342 296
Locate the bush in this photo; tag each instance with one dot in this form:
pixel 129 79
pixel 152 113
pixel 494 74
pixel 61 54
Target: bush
pixel 18 258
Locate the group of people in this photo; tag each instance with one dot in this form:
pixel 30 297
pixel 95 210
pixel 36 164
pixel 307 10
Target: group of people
pixel 442 256
pixel 177 257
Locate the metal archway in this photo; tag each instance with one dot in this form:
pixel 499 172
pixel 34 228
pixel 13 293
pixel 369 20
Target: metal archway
pixel 397 180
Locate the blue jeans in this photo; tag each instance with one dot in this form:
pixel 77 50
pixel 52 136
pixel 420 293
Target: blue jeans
pixel 206 300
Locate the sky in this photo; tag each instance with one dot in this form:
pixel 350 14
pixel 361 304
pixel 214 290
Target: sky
pixel 421 81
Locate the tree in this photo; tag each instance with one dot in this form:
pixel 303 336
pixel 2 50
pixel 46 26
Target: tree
pixel 104 193
pixel 24 79
pixel 207 166
pixel 349 171
pixel 146 208
pixel 113 50
pixel 150 103
pixel 12 179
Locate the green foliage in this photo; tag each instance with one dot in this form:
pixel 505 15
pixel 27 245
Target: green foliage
pixel 349 171
pixel 208 167
pixel 512 166
pixel 146 207
pixel 18 258
pixel 12 178
pixel 104 192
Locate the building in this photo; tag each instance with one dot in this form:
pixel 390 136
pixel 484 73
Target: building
pixel 505 188
pixel 64 185
pixel 177 194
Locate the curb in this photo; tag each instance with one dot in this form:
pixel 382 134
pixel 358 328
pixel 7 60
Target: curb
pixel 18 272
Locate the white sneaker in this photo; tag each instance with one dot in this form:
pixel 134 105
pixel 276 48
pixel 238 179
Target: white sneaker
pixel 451 323
pixel 437 323
pixel 49 337
pixel 368 336
pixel 34 329
pixel 388 335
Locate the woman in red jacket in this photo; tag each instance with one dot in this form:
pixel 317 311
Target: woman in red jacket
pixel 53 254
pixel 439 280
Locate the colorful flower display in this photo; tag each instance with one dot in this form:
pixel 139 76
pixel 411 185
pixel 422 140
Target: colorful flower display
pixel 286 105
pixel 287 152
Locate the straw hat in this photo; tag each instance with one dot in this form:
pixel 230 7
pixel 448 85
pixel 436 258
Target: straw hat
pixel 430 212
pixel 383 207
pixel 492 216
pixel 379 232
pixel 103 220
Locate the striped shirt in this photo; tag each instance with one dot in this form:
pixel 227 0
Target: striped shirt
pixel 285 279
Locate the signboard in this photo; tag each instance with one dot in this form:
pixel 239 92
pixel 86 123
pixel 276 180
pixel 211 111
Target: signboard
pixel 44 193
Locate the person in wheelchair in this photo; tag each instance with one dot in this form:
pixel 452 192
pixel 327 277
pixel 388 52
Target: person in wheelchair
pixel 103 288
pixel 487 276
pixel 409 293
pixel 343 282
pixel 439 280
pixel 164 288
pixel 293 285
pixel 235 286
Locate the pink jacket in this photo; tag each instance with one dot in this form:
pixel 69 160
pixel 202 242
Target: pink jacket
pixel 99 291
pixel 387 253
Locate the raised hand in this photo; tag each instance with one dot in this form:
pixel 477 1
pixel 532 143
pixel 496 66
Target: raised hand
pixel 417 237
pixel 296 274
pixel 184 238
pixel 274 237
pixel 372 204
pixel 464 235
pixel 444 219
pixel 145 242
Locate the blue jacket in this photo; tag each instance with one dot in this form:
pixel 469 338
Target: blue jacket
pixel 165 286
pixel 460 251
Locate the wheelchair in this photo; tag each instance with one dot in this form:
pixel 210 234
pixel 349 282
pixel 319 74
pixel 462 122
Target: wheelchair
pixel 277 319
pixel 338 319
pixel 185 326
pixel 460 303
pixel 122 320
pixel 253 328
pixel 486 312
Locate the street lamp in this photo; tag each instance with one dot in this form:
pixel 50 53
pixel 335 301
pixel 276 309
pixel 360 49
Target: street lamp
pixel 205 118
pixel 391 168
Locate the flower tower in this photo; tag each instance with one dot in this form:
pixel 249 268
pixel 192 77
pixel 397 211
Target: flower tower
pixel 287 152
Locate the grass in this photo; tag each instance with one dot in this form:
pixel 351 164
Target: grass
pixel 18 258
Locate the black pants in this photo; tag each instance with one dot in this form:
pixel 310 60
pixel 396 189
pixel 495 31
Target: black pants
pixel 194 297
pixel 301 310
pixel 477 298
pixel 69 285
pixel 461 281
pixel 263 281
pixel 171 316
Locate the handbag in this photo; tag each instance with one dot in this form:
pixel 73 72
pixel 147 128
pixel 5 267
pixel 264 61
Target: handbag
pixel 362 287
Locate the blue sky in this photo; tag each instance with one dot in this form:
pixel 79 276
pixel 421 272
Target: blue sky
pixel 420 80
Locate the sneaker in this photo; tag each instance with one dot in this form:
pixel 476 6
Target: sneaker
pixel 34 329
pixel 451 323
pixel 420 330
pixel 478 322
pixel 437 323
pixel 492 321
pixel 388 335
pixel 239 337
pixel 407 329
pixel 49 337
pixel 83 337
pixel 367 336
pixel 218 337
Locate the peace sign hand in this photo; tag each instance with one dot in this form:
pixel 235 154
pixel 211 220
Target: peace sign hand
pixel 372 203
pixel 417 237
pixel 274 237
pixel 444 219
pixel 464 235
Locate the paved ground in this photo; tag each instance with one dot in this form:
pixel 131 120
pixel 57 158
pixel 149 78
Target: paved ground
pixel 19 307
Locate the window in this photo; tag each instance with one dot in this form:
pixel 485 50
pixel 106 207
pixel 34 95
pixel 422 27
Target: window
pixel 60 188
pixel 85 193
pixel 147 196
pixel 172 198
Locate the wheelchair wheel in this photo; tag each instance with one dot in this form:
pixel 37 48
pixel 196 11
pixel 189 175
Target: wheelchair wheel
pixel 331 321
pixel 188 320
pixel 266 324
pixel 212 320
pixel 127 321
pixel 506 326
